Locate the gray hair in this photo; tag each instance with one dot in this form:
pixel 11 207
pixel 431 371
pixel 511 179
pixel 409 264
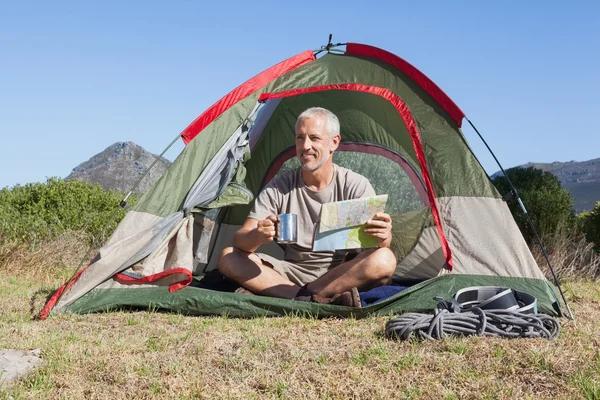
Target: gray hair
pixel 332 123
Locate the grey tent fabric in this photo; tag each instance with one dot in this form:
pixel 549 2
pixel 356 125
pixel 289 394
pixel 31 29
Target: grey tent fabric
pixel 264 113
pixel 207 188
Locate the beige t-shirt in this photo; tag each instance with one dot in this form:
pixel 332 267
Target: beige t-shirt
pixel 289 194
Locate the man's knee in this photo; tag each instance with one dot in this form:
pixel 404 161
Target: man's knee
pixel 383 262
pixel 225 263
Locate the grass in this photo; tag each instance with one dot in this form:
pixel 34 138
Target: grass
pixel 158 355
pixel 570 254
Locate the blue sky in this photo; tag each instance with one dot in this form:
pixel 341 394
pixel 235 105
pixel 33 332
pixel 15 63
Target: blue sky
pixel 78 76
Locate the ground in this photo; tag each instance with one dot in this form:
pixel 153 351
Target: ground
pixel 159 355
pixel 16 363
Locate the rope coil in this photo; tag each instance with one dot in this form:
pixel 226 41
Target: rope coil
pixel 474 321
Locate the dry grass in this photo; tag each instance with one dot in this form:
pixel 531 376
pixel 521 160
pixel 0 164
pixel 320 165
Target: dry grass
pixel 158 355
pixel 570 254
pixel 56 257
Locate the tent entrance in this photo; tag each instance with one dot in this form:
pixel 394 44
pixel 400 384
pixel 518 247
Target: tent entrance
pixel 376 143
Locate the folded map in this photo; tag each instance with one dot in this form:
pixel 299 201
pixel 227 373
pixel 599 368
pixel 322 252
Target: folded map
pixel 340 224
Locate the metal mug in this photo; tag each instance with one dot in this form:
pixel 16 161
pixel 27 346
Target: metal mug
pixel 287 229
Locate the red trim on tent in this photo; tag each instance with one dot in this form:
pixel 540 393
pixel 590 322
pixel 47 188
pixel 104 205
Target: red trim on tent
pixel 64 288
pixel 360 148
pixel 122 278
pixel 276 166
pixel 243 91
pixel 420 78
pixel 409 121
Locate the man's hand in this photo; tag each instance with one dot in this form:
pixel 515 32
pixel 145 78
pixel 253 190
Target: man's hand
pixel 266 228
pixel 380 227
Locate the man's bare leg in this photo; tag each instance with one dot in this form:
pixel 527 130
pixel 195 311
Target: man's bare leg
pixel 369 269
pixel 248 270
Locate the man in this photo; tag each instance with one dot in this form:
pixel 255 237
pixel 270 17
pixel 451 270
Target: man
pixel 324 277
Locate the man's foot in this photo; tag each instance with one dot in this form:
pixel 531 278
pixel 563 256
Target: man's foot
pixel 242 290
pixel 351 298
pixel 313 298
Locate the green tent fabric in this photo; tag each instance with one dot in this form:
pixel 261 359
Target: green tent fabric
pixel 192 301
pixel 399 129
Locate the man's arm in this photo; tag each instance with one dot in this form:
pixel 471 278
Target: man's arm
pixel 254 233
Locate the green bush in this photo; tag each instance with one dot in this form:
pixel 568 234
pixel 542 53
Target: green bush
pixel 38 212
pixel 591 225
pixel 549 204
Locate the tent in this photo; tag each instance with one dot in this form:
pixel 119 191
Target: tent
pixel 399 129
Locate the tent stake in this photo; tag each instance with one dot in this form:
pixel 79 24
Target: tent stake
pixel 513 191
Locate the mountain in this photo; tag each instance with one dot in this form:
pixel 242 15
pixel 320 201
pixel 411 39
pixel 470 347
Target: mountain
pixel 119 166
pixel 582 179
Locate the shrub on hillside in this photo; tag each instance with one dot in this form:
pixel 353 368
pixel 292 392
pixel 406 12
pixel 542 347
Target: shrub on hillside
pixel 591 226
pixel 40 211
pixel 549 204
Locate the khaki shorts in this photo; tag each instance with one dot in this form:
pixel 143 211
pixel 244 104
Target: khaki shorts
pixel 300 274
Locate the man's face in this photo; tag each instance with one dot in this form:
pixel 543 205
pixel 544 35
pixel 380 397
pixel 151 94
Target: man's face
pixel 313 146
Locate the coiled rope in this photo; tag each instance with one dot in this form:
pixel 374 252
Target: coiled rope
pixel 474 321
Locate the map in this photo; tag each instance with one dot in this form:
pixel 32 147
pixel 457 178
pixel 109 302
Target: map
pixel 341 224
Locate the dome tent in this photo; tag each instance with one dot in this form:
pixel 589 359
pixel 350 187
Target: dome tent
pixel 400 130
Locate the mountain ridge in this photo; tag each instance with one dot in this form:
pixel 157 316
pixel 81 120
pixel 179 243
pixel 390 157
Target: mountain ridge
pixel 119 166
pixel 581 178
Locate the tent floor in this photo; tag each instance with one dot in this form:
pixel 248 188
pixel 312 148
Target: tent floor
pixel 193 300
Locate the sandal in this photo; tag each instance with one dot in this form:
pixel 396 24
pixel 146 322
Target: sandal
pixel 351 298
